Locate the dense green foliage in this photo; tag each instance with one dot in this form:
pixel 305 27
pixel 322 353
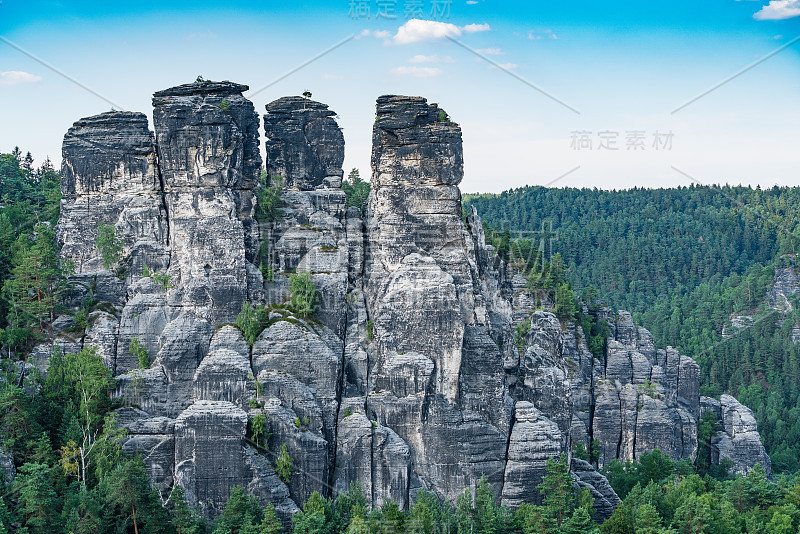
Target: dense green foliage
pixel 563 511
pixel 139 352
pixel 638 245
pixel 303 294
pixel 268 198
pixel 31 278
pixel 109 245
pixel 301 302
pixel 356 190
pixel 72 475
pixel 661 496
pixel 284 464
pixel 683 261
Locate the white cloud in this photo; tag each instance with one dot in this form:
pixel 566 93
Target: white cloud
pixel 331 77
pixel 418 30
pixel 535 35
pixel 430 59
pixel 491 51
pixel 378 34
pixel 417 72
pixel 778 37
pixel 17 77
pixel 779 10
pixel 472 2
pixel 475 28
pixel 505 66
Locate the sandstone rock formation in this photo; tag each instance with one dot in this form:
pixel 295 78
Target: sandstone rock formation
pixel 408 377
pixel 738 439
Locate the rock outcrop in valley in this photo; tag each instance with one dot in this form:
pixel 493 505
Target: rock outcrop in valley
pixel 408 376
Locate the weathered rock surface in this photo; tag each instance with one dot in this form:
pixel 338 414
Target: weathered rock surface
pixel 605 499
pixel 305 146
pixel 7 468
pixel 110 177
pixel 211 458
pixel 410 375
pixel 646 399
pixel 534 440
pixel 738 441
pixel 207 138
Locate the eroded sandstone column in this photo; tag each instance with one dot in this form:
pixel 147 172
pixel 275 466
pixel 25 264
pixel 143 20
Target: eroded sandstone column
pixel 207 137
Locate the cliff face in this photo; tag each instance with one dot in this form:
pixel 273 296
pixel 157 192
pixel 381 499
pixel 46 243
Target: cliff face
pixel 409 376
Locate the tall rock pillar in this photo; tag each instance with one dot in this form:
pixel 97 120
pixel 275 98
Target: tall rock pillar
pixel 207 138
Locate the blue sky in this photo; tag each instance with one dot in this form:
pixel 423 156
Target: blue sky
pixel 625 66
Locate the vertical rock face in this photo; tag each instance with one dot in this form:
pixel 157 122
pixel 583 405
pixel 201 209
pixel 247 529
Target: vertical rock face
pixel 738 439
pixel 417 254
pixel 647 399
pixel 787 283
pixel 409 375
pixel 207 138
pixel 109 176
pixel 211 459
pixel 534 440
pixel 420 283
pixel 304 144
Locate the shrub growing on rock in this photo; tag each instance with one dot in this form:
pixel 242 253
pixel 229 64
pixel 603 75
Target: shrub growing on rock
pixel 109 245
pixel 302 294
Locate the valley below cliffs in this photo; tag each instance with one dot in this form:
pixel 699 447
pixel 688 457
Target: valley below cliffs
pixel 407 377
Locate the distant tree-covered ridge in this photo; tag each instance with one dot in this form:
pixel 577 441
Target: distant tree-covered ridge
pixel 684 261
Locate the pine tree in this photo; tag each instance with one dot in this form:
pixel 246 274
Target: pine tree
pixel 647 519
pixel 18 425
pixel 110 246
pixel 556 489
pixel 693 516
pixel 580 522
pixel 487 513
pixel 533 519
pixel 312 518
pixel 242 512
pixel 270 524
pixel 284 464
pixel 183 518
pixel 129 490
pixel 37 498
pixel 37 279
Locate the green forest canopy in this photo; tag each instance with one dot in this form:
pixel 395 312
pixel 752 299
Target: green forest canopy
pixel 682 261
pixel 706 254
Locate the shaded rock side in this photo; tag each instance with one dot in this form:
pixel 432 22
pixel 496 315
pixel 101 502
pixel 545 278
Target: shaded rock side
pixel 419 287
pixel 647 399
pixel 211 457
pixel 109 176
pixel 305 146
pixel 738 440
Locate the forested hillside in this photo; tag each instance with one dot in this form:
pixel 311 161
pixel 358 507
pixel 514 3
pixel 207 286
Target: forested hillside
pixel 29 272
pixel 73 477
pixel 683 261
